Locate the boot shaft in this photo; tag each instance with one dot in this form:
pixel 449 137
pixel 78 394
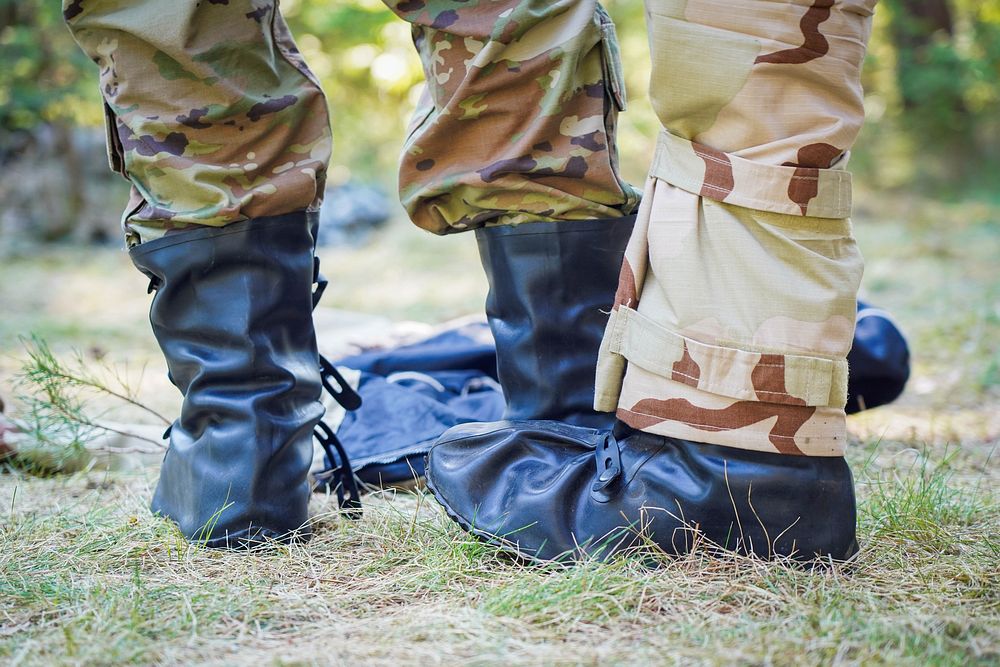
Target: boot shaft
pixel 232 312
pixel 551 287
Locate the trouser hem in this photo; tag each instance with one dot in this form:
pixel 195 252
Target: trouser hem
pixel 201 232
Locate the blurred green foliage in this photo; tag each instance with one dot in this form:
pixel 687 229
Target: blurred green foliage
pixel 44 78
pixel 932 81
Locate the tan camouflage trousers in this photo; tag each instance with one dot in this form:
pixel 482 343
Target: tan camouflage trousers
pixel 214 117
pixel 736 305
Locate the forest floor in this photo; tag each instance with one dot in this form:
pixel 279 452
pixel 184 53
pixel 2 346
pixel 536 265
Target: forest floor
pixel 89 576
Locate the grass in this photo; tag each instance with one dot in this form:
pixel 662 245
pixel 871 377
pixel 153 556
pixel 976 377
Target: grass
pixel 87 576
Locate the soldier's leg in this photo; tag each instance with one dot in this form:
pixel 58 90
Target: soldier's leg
pixel 518 120
pixel 518 126
pixel 736 307
pixel 224 134
pixel 211 112
pixel 733 317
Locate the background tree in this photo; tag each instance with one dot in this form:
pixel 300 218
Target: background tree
pixel 946 65
pixel 46 91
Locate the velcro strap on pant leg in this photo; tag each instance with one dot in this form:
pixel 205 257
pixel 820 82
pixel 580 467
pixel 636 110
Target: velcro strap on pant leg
pixel 610 367
pixel 725 177
pixel 726 371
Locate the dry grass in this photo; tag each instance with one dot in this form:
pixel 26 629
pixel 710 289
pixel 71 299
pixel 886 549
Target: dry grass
pixel 87 576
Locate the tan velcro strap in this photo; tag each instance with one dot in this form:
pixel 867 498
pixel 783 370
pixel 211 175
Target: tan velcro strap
pixel 728 371
pixel 750 184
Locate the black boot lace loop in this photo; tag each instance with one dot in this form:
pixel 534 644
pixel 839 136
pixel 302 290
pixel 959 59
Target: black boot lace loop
pixel 340 475
pixel 343 393
pixel 320 281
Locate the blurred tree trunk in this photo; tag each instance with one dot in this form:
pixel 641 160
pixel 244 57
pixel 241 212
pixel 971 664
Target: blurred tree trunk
pixel 933 78
pixel 932 15
pixel 64 197
pixel 64 222
pixel 8 14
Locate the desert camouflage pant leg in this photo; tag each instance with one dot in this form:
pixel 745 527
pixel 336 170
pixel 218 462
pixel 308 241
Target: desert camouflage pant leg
pixel 212 114
pixel 736 305
pixel 518 120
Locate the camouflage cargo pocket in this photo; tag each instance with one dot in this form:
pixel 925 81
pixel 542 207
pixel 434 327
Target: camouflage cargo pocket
pixel 116 153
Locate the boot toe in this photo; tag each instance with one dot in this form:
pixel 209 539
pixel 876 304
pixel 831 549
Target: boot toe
pixel 517 484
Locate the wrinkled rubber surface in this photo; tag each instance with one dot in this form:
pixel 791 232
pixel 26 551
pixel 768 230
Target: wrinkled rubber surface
pixel 552 285
pixel 528 486
pixel 232 312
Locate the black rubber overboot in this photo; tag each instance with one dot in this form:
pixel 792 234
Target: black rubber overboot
pixel 552 491
pixel 552 285
pixel 232 312
pixel 545 485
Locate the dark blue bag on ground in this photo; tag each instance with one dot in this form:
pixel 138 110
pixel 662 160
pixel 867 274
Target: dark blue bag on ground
pixel 879 361
pixel 413 393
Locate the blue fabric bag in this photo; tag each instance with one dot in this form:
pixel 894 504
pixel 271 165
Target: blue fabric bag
pixel 411 394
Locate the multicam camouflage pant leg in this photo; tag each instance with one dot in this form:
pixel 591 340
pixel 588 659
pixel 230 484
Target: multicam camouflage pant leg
pixel 212 114
pixel 518 121
pixel 736 305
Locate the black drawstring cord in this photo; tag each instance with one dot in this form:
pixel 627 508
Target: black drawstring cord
pixel 339 475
